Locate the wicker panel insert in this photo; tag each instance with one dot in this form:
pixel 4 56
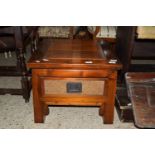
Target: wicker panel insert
pixel 89 87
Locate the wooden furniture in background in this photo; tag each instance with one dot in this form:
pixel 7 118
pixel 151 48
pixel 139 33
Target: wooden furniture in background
pixel 106 35
pixel 141 88
pixel 75 62
pixel 56 32
pixel 102 33
pixel 137 54
pixel 82 33
pixel 134 52
pixel 15 40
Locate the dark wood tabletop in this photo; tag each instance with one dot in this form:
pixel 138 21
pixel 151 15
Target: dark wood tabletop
pixel 73 53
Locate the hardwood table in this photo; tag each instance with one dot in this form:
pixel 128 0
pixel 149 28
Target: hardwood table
pixel 75 73
pixel 141 88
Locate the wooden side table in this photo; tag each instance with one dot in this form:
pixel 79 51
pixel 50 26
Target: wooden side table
pixel 76 73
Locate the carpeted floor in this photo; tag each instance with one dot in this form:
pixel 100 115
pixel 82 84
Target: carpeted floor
pixel 16 114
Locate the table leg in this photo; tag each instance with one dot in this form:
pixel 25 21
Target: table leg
pixel 37 104
pixel 108 113
pixel 109 105
pixel 46 109
pixel 101 110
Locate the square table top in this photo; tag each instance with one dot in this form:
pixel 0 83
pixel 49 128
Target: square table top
pixel 71 52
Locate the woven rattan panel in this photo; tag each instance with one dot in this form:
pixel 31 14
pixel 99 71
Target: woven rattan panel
pixel 89 87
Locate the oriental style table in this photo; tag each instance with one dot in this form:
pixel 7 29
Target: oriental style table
pixel 75 73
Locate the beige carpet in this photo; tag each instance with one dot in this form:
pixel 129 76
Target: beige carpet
pixel 15 113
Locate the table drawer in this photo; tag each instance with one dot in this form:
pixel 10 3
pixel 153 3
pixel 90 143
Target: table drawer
pixel 69 86
pixel 69 73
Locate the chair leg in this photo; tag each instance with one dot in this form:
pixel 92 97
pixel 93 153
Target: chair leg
pixel 24 79
pixel 25 88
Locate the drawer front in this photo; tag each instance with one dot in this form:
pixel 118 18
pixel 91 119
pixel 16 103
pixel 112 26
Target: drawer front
pixel 72 86
pixel 73 73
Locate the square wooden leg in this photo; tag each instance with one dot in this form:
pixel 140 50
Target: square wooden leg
pixel 108 113
pixel 101 110
pixel 37 104
pixel 39 113
pixel 46 109
pixel 110 93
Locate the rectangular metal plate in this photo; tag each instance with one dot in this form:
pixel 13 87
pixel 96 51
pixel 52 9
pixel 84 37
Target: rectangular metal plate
pixel 74 87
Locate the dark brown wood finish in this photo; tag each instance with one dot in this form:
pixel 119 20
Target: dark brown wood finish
pixel 129 47
pixel 131 51
pixel 124 45
pixel 138 84
pixel 16 39
pixel 73 60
